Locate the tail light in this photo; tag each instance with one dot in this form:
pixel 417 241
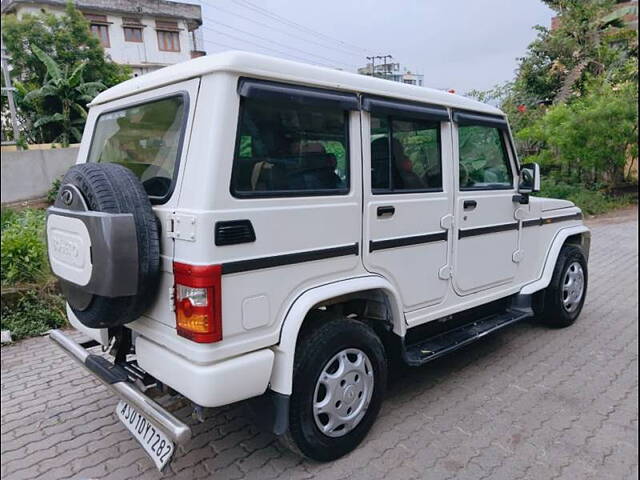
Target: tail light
pixel 198 302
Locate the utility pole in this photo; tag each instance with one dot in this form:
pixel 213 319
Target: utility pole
pixel 386 67
pixel 373 64
pixel 8 91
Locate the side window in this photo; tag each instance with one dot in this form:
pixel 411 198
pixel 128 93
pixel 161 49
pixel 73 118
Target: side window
pixel 290 150
pixel 405 155
pixel 484 163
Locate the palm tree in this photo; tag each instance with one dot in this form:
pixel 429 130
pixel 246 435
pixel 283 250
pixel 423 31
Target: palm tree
pixel 70 91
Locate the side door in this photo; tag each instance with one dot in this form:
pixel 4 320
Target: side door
pixel 408 197
pixel 486 238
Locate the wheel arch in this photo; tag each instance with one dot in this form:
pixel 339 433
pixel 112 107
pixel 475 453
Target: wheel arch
pixel 579 235
pixel 334 293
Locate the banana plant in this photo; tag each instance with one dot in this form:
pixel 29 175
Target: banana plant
pixel 67 87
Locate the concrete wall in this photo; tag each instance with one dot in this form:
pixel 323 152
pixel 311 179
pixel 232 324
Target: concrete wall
pixel 29 174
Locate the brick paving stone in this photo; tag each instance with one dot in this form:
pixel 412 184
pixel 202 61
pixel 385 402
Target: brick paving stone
pixel 526 403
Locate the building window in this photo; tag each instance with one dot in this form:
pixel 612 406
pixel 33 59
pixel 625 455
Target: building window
pixel 99 27
pixel 168 41
pixel 132 29
pixel 168 36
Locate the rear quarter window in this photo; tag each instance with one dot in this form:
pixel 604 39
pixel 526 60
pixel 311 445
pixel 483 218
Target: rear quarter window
pixel 147 139
pixel 290 150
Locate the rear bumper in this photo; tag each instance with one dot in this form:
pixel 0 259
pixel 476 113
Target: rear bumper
pixel 209 385
pixel 116 379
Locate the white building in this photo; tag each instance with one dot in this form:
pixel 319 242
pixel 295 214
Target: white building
pixel 391 71
pixel 143 34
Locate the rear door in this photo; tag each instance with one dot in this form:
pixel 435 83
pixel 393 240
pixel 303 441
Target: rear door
pixel 408 197
pixel 149 133
pixel 487 231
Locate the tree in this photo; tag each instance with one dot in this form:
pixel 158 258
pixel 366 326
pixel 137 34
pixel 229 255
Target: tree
pixel 68 41
pixel 66 38
pixel 71 91
pixel 568 91
pixel 591 139
pixel 589 39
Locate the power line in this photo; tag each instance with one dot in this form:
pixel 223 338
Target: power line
pixel 223 45
pixel 280 52
pixel 271 27
pixel 298 26
pixel 218 23
pixel 235 47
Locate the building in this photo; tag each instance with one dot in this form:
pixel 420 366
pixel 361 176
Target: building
pixel 392 71
pixel 144 34
pixel 623 11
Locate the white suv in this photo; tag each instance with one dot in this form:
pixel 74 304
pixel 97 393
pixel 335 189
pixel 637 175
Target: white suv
pixel 243 227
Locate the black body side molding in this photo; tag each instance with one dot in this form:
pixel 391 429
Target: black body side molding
pixel 547 220
pixel 472 232
pixel 406 241
pixel 289 259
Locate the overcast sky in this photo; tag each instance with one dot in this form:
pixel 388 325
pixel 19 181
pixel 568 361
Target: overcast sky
pixel 459 44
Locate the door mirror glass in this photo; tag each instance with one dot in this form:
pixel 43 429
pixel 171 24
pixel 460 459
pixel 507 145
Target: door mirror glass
pixel 529 178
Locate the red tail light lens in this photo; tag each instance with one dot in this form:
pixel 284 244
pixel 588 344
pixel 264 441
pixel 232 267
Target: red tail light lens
pixel 198 298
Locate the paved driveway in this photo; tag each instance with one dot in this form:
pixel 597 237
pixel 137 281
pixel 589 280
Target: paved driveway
pixel 528 402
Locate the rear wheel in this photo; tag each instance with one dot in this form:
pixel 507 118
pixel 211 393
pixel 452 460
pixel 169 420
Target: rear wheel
pixel 339 379
pixel 564 297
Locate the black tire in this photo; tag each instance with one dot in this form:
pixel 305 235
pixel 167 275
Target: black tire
pixel 551 309
pixel 113 188
pixel 313 352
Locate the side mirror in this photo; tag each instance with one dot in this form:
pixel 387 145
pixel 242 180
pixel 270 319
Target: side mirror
pixel 529 178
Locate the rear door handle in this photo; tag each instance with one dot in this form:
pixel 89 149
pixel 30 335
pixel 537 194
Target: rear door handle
pixel 386 211
pixel 469 204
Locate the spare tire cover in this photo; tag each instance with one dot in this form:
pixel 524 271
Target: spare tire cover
pixel 113 188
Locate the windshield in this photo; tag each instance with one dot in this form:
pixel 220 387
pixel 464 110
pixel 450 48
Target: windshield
pixel 145 138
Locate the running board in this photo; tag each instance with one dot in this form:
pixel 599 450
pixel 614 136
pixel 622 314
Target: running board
pixel 434 347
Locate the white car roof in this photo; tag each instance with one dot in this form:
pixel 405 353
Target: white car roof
pixel 262 66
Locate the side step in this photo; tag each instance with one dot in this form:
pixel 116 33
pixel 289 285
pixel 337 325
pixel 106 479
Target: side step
pixel 434 347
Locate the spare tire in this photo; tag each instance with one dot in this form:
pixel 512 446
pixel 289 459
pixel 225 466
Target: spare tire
pixel 113 188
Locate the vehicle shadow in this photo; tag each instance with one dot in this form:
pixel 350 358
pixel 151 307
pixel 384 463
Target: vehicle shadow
pixel 230 435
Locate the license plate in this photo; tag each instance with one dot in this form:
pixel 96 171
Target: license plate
pixel 154 441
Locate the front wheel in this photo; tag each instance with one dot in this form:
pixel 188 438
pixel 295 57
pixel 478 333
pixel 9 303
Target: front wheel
pixel 564 297
pixel 339 378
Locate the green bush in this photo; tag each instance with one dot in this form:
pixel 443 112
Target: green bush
pixel 7 215
pixel 24 252
pixel 592 202
pixel 52 194
pixel 33 314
